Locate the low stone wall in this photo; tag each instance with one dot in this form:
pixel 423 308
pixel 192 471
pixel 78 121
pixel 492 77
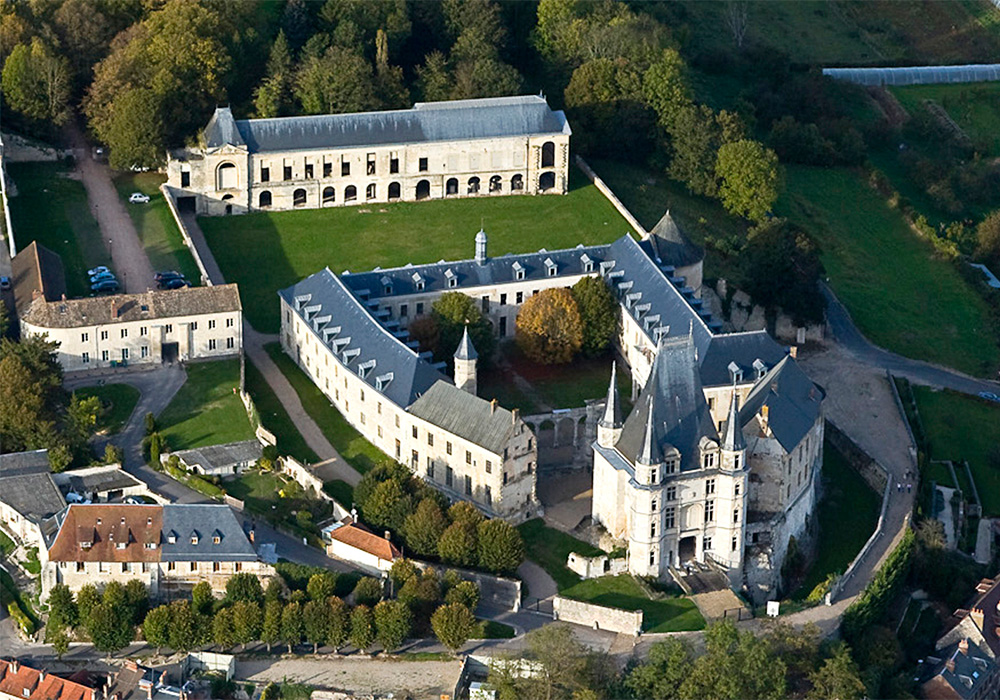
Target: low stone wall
pixel 595 567
pixel 179 220
pixel 305 478
pixel 606 191
pixel 871 471
pixel 598 617
pixel 17 149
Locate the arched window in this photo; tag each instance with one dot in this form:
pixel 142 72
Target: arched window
pixel 423 189
pixel 473 185
pixel 370 191
pixel 394 190
pixel 451 187
pixel 299 198
pixel 329 195
pixel 350 193
pixel 264 199
pixel 548 154
pixel 495 184
pixel 547 181
pixel 516 183
pixel 226 177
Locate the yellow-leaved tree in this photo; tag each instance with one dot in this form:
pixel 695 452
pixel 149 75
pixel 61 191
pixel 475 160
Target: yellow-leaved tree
pixel 549 329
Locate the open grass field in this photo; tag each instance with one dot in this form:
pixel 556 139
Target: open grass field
pixel 275 418
pixel 899 295
pixel 360 454
pixel 119 401
pixel 662 615
pixel 847 513
pixel 960 427
pixel 207 410
pixel 974 106
pixel 51 208
pixel 156 226
pixel 267 251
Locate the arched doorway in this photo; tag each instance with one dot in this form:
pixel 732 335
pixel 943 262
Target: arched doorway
pixel 496 184
pixel 370 191
pixel 473 185
pixel 229 205
pixel 548 155
pixel 686 549
pixel 547 181
pixel 423 189
pixel 350 193
pixel 329 195
pixel 394 190
pixel 264 199
pixel 226 177
pixel 451 187
pixel 517 183
pixel 299 198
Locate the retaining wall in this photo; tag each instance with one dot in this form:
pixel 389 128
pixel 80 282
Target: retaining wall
pixel 871 471
pixel 179 220
pixel 606 191
pixel 598 617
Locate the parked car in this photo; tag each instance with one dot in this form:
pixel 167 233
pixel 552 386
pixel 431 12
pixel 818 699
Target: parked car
pixel 4 283
pixel 989 396
pixel 138 198
pixel 174 283
pixel 101 276
pixel 98 270
pixel 106 286
pixel 167 274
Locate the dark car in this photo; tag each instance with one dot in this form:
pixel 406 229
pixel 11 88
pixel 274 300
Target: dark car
pixel 105 286
pixel 174 283
pixel 166 275
pixel 4 283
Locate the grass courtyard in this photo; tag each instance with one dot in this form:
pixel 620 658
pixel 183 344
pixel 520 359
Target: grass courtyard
pixel 118 400
pixel 267 251
pixel 207 410
pixel 275 418
pixel 898 293
pixel 51 208
pixel 960 427
pixel 276 496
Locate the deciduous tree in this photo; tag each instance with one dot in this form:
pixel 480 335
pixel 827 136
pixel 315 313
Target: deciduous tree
pixel 458 544
pixel 244 586
pixel 388 506
pixel 735 665
pixel 464 592
pixel 660 675
pixel 156 627
pixel 453 311
pixel 424 527
pixel 988 239
pixel 292 625
pixel 393 622
pixel 109 628
pixel 271 629
pixel 598 313
pixel 339 81
pixel 37 83
pixel 749 177
pixel 316 622
pixel 453 624
pixel 202 598
pixel 549 329
pixel 838 677
pixel 362 627
pixel 248 619
pixel 223 629
pixel 183 632
pixel 339 623
pixel 665 87
pixel 368 591
pixel 321 586
pixel 500 548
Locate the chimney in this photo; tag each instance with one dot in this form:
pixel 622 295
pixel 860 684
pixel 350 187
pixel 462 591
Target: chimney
pixel 514 415
pixel 793 351
pixel 950 664
pixel 251 536
pixel 64 297
pixel 15 666
pixel 963 646
pixel 493 406
pixel 41 675
pixel 978 615
pixel 388 535
pixel 114 309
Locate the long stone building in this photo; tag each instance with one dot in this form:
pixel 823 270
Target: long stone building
pixel 435 150
pixel 718 462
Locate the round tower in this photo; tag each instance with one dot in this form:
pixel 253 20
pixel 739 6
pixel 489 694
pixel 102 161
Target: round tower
pixel 481 247
pixel 465 364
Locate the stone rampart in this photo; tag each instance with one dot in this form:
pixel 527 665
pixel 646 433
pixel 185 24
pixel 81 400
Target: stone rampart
pixel 597 617
pixel 179 220
pixel 606 191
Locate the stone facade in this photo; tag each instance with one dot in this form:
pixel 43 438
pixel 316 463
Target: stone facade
pixel 597 617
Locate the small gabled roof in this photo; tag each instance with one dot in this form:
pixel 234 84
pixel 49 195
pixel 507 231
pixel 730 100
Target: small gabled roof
pixel 740 348
pixel 670 245
pixel 793 401
pixel 360 538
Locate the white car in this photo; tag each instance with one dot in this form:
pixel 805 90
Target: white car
pixel 138 198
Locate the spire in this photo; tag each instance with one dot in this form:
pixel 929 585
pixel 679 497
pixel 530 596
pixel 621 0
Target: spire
pixel 481 247
pixel 732 434
pixel 612 408
pixel 465 350
pixel 650 454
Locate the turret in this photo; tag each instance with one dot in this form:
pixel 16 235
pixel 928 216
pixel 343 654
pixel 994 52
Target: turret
pixel 651 454
pixel 465 364
pixel 609 429
pixel 733 446
pixel 481 247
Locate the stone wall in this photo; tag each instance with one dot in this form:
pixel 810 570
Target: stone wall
pixel 870 470
pixel 17 149
pixel 566 435
pixel 168 194
pixel 595 567
pixel 606 191
pixel 597 617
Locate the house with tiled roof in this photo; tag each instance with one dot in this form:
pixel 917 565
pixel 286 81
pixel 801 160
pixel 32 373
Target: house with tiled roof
pixel 19 681
pixel 29 498
pixel 351 541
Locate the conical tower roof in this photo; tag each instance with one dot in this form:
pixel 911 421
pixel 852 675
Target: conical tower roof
pixel 732 433
pixel 612 407
pixel 651 453
pixel 465 350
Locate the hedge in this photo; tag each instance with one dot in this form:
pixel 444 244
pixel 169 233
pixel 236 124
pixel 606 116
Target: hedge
pixel 872 604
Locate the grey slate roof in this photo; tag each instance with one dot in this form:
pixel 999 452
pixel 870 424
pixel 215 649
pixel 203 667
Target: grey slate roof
pixel 732 433
pixel 466 350
pixel 794 402
pixel 32 462
pixel 425 122
pixel 612 417
pixel 668 244
pixel 680 410
pixel 33 495
pixel 398 372
pixel 743 349
pixel 221 456
pixel 101 481
pixel 466 416
pixel 185 519
pixel 973 671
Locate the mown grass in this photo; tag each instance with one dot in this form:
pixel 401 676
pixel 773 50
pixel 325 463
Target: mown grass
pixel 490 629
pixel 275 418
pixel 207 410
pixel 341 491
pixel 352 446
pixel 118 400
pixel 272 495
pixel 960 427
pixel 267 251
pixel 898 293
pixel 156 226
pixel 662 615
pixel 549 548
pixel 52 208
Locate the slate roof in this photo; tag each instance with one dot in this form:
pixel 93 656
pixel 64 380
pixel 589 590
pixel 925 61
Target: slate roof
pixel 426 122
pixel 148 305
pixel 743 349
pixel 466 350
pixel 466 416
pixel 358 338
pixel 681 417
pixel 670 246
pixel 221 456
pixel 970 673
pixel 31 462
pixel 36 270
pixel 234 545
pixel 26 683
pixel 35 496
pixel 985 631
pixel 793 400
pixel 102 480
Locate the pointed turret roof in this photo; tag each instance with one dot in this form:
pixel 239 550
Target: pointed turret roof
pixel 612 407
pixel 732 433
pixel 651 452
pixel 671 245
pixel 466 351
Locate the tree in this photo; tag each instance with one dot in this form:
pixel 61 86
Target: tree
pixel 605 98
pixel 464 592
pixel 402 571
pixel 749 177
pixel 838 677
pixel 661 674
pixel 202 598
pixel 223 631
pixel 321 585
pixel 549 329
pixel 453 311
pixel 781 268
pixel 368 591
pixel 244 586
pixel 36 82
pixel 32 397
pixel 271 629
pixel 465 512
pixel 393 622
pixel 735 665
pixel 339 623
pixel 424 527
pixel 453 624
pixel 562 667
pixel 59 639
pixel 109 628
pixel 316 622
pixel 275 589
pixel 247 621
pixel 184 633
pixel 988 239
pixel 421 594
pixel 500 548
pixel 156 627
pixel 458 544
pixel 362 627
pixel 338 81
pixel 665 88
pixel 434 78
pixel 292 625
pixel 81 421
pixel 273 98
pixel 134 130
pixel 598 313
pixel 388 506
pixel 62 607
pixel 736 21
pixel 137 600
pixel 86 598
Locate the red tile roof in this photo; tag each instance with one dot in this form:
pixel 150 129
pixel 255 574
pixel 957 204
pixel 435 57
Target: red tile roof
pixel 360 538
pixel 105 527
pixel 16 678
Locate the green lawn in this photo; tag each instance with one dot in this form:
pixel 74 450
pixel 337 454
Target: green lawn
pixel 341 491
pixel 52 208
pixel 359 453
pixel 964 427
pixel 207 410
pixel 847 514
pixel 663 615
pixel 119 401
pixel 267 251
pixel 973 106
pixel 156 226
pixel 273 495
pixel 6 545
pixel 549 548
pixel 490 629
pixel 899 295
pixel 275 418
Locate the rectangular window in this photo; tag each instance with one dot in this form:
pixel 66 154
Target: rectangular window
pixel 519 297
pixel 420 307
pixel 144 330
pixel 503 300
pixel 652 557
pixel 104 355
pixel 449 475
pixel 414 459
pixel 144 351
pixel 468 457
pixel 709 487
pixel 423 165
pixel 80 566
pixel 709 460
pixel 710 512
pixel 447 447
pixel 229 323
pixel 652 529
pixel 398 450
pixel 171 565
pixel 194 566
pixel 345 168
pixel 380 431
pixel 671 493
pixel 486 304
pixel 185 178
pixel 327 169
pixel 124 353
pixel 734 543
pixel 362 419
pixel 415 432
pixel 84 337
pixel 211 324
pixel 468 485
pixel 505 478
pixel 736 489
pixel 654 475
pixel 430 438
pixel 265 174
pixel 371 163
pixel 488 497
pixel 736 515
pixel 430 468
pixel 169 328
pixel 489 467
pixel 393 166
pixel 216 566
pixel 309 171
pixel 211 344
pixel 404 310
pixel 668 514
pixel 652 506
pixel 230 343
pixel 194 325
pixel 706 544
pixel 85 357
pixel 288 172
pixel 104 335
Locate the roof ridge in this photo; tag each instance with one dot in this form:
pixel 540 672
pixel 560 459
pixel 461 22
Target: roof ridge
pixel 365 311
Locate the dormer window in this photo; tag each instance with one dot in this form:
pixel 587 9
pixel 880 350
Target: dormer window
pixel 120 545
pixel 386 285
pixel 518 271
pixel 172 537
pixel 194 537
pixel 587 262
pixel 418 281
pixel 451 277
pixel 670 465
pixel 735 372
pixel 150 545
pixel 216 540
pixel 550 267
pixel 708 460
pixel 149 521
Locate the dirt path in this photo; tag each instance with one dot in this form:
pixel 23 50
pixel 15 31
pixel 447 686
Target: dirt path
pixel 128 257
